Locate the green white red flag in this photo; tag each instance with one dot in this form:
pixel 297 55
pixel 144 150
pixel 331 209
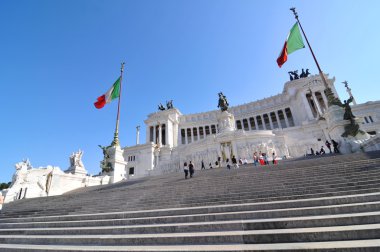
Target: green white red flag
pixel 293 42
pixel 111 94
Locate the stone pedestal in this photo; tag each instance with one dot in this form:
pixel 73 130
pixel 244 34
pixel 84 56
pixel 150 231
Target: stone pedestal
pixel 226 122
pixel 118 164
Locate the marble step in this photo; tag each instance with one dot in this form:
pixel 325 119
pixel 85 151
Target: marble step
pixel 272 205
pixel 370 245
pixel 314 234
pixel 234 225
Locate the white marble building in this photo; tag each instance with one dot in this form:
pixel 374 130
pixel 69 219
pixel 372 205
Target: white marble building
pixel 288 124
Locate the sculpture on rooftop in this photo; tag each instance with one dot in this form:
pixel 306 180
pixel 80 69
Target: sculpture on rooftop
pixel 223 103
pixel 169 104
pixel 161 107
pixel 293 75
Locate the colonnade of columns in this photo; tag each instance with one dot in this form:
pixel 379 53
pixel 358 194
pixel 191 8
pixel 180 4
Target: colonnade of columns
pixel 192 134
pixel 266 121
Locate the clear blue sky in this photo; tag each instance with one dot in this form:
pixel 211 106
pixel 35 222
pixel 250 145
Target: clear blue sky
pixel 57 57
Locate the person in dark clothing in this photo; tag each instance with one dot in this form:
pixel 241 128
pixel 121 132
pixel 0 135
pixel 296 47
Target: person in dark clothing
pixel 311 151
pixel 234 162
pixel 210 166
pixel 322 151
pixel 191 169
pixel 335 145
pixel 228 163
pixel 328 145
pixel 203 166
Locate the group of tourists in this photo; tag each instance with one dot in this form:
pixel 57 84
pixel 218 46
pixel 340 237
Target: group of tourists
pixel 188 169
pixel 261 158
pixel 322 151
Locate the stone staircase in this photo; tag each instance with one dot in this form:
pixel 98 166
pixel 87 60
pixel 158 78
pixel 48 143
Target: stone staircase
pixel 329 203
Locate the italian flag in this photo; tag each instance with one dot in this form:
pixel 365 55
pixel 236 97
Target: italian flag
pixel 293 42
pixel 111 94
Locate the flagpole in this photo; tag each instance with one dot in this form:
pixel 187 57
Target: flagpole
pixel 115 141
pixel 328 91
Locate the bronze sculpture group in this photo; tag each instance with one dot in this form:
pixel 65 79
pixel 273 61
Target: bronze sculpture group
pixel 222 103
pixel 294 74
pixel 169 105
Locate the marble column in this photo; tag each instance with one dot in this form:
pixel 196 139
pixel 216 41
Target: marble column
pixel 307 106
pixel 159 135
pixel 270 121
pixel 316 102
pixel 186 141
pixel 137 135
pixel 278 120
pixel 249 124
pixel 263 122
pixel 154 134
pixel 286 118
pixel 256 127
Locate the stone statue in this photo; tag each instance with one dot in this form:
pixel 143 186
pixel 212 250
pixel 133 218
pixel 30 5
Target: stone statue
pixel 293 75
pixel 352 128
pixel 76 159
pixel 290 76
pixel 307 73
pixel 347 108
pixel 302 75
pixel 161 107
pixel 223 103
pixel 169 104
pixel 105 165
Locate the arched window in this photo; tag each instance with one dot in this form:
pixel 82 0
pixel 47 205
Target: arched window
pixel 195 134
pixel 183 136
pixel 252 122
pixel 201 135
pixel 213 129
pixel 274 120
pixel 259 123
pixel 245 124
pixel 266 121
pixel 188 135
pixel 207 128
pixel 238 124
pixel 282 119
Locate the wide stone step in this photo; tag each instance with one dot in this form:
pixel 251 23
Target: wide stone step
pixel 315 234
pixel 370 245
pixel 246 224
pixel 310 202
pixel 191 218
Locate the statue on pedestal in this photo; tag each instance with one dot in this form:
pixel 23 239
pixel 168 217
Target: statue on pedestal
pixel 223 103
pixel 351 129
pixel 105 165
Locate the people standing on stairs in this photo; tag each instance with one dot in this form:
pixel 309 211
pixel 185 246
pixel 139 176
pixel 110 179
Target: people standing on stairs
pixel 203 166
pixel 311 152
pixel 234 162
pixel 335 145
pixel 186 169
pixel 322 151
pixel 228 164
pixel 255 159
pixel 328 145
pixel 274 158
pixel 191 169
